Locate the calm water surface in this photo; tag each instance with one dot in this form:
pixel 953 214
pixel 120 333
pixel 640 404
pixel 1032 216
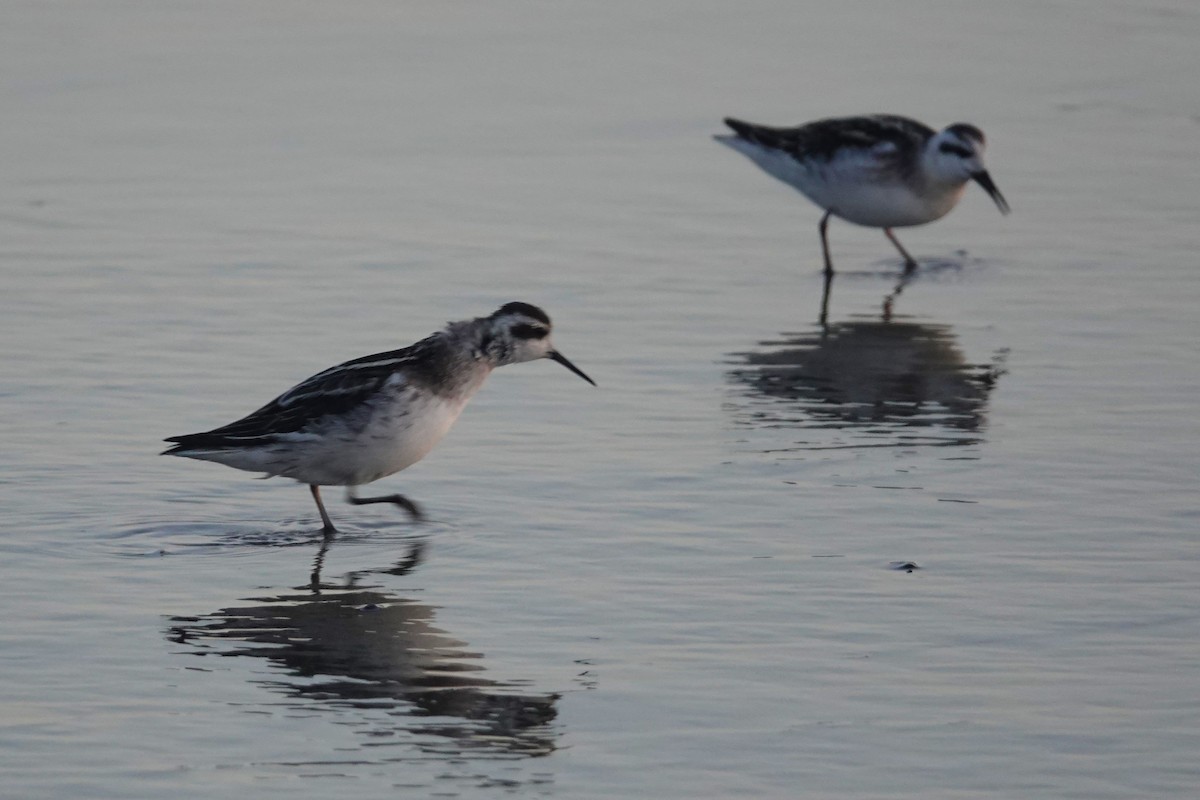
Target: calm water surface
pixel 679 584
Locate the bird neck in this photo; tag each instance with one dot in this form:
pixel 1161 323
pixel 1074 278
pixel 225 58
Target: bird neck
pixel 455 365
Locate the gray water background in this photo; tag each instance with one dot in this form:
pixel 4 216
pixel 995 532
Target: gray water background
pixel 676 585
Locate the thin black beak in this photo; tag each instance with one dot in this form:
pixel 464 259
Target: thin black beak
pixel 554 355
pixel 985 180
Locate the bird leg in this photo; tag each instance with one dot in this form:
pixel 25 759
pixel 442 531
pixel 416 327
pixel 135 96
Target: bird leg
pixel 823 320
pixel 328 530
pixel 823 227
pixel 399 499
pixel 910 263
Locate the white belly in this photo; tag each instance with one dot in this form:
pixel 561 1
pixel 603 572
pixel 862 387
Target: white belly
pixel 397 435
pixel 880 204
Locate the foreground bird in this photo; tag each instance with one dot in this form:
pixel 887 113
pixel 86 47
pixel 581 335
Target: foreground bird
pixel 368 418
pixel 880 171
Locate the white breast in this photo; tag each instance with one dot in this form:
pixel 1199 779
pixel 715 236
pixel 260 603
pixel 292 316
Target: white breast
pixel 863 187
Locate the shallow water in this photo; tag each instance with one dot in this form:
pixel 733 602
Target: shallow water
pixel 682 583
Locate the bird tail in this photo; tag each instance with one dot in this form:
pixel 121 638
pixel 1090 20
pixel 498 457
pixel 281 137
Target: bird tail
pixel 181 444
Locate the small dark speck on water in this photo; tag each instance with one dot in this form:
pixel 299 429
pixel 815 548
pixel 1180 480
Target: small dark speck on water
pixel 906 566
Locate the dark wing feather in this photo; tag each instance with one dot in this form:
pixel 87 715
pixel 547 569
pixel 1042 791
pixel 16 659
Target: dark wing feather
pixel 335 391
pixel 824 138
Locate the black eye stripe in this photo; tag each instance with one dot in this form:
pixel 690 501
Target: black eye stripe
pixel 956 149
pixel 529 332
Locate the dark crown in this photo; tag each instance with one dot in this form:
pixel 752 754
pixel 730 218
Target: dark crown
pixel 525 309
pixel 965 130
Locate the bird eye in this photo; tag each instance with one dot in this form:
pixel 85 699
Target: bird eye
pixel 529 332
pixel 956 149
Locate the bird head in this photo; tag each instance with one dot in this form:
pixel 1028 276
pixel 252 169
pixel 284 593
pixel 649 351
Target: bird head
pixel 518 332
pixel 956 155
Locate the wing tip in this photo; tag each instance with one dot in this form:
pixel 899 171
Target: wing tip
pixel 740 127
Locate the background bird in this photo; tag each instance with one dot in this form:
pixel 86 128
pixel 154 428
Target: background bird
pixel 880 171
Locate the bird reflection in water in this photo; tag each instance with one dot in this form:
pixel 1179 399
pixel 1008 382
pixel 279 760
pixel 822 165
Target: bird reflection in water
pixel 887 378
pixel 354 649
